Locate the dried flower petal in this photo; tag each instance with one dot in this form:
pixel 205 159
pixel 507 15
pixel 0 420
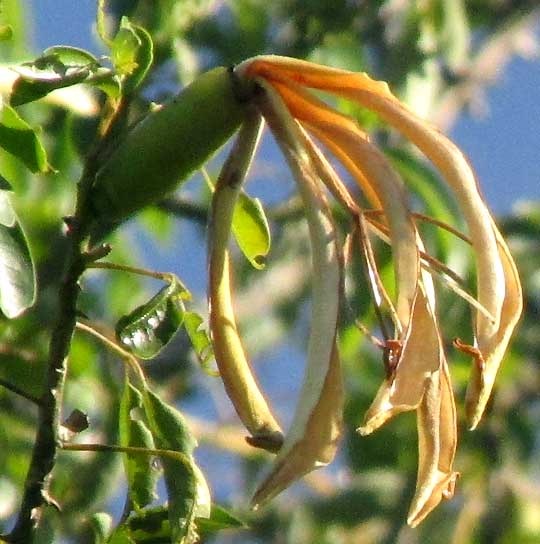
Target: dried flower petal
pixel 421 356
pixel 493 347
pixel 312 439
pixel 437 439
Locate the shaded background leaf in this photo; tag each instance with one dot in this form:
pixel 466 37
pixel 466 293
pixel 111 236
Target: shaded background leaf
pixel 17 277
pixel 251 230
pixel 19 139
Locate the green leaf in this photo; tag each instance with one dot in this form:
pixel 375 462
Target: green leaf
pixel 132 54
pixel 199 337
pixel 19 139
pixel 219 519
pixel 59 67
pixel 6 33
pixel 101 23
pixel 121 536
pixel 167 425
pixel 17 275
pixel 70 56
pixel 187 490
pixel 150 327
pixel 250 228
pixel 141 474
pixel 150 526
pixel 101 524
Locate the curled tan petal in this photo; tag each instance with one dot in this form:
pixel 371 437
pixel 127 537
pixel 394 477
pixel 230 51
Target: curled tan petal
pixel 421 356
pixel 493 348
pixel 437 439
pixel 306 108
pixel 376 96
pixel 235 371
pixel 311 440
pixel 317 443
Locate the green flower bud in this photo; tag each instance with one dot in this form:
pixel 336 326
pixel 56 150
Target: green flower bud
pixel 167 146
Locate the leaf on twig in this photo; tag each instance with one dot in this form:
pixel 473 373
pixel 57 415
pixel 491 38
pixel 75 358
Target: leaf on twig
pixel 150 327
pixel 140 470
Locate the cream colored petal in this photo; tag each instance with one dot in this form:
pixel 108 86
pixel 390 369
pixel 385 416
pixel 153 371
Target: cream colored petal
pixel 499 290
pixel 364 161
pixel 341 193
pixel 235 371
pixel 492 348
pixel 437 440
pixel 491 270
pixel 312 438
pixel 316 446
pixel 359 154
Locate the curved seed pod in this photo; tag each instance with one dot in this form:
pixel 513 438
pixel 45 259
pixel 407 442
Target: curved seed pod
pixel 234 368
pixel 312 439
pixel 167 146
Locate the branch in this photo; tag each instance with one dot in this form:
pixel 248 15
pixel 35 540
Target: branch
pixel 47 440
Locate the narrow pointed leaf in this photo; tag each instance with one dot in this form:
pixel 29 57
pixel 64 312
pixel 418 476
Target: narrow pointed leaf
pixel 187 489
pixel 219 519
pixel 251 230
pixel 141 473
pixel 199 338
pixel 17 275
pixel 19 139
pixel 150 327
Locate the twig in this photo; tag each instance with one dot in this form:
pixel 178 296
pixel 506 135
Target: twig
pixel 84 325
pixel 18 391
pixel 111 448
pixel 184 208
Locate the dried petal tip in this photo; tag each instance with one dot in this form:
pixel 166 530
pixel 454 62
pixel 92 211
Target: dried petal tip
pixel 443 490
